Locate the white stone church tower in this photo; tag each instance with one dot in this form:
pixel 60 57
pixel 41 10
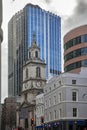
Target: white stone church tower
pixel 34 79
pixel 34 71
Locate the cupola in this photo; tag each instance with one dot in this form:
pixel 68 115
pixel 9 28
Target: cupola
pixel 34 50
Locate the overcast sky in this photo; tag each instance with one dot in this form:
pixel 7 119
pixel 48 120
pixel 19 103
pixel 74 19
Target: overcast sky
pixel 73 13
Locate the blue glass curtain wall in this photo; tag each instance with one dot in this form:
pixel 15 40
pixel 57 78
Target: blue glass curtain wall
pixel 47 27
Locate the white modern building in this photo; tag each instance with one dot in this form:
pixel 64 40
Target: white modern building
pixel 40 110
pixel 65 98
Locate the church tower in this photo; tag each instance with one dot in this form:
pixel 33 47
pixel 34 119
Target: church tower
pixel 34 79
pixel 34 71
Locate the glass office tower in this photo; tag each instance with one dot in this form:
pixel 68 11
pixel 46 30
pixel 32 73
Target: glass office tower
pixel 47 28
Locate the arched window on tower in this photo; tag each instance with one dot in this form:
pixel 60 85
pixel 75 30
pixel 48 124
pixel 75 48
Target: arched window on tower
pixel 36 54
pixel 38 72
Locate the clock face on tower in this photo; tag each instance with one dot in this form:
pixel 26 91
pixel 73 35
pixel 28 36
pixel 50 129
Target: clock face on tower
pixel 38 83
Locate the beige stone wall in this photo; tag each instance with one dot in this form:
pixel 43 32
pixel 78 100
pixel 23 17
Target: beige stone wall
pixel 32 71
pixel 75 33
pixel 79 31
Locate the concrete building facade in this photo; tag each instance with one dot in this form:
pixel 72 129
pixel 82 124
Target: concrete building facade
pixel 75 49
pixel 65 98
pixel 9 114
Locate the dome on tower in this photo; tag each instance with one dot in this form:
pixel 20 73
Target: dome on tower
pixel 34 50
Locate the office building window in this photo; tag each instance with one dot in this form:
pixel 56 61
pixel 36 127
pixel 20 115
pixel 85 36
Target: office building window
pixel 49 102
pixel 73 81
pixel 55 114
pixel 59 97
pixel 50 116
pixel 76 53
pixel 73 66
pixel 46 116
pixel 74 96
pixel 84 63
pixel 38 72
pixel 60 113
pixel 74 112
pixel 54 100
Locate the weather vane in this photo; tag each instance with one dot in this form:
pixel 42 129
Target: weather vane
pixel 34 37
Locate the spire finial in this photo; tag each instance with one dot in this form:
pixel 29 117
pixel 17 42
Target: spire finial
pixel 34 37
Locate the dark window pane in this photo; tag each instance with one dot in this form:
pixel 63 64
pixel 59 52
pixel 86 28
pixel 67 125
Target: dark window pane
pixel 74 96
pixel 73 81
pixel 74 112
pixel 36 54
pixel 26 123
pixel 38 72
pixel 75 41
